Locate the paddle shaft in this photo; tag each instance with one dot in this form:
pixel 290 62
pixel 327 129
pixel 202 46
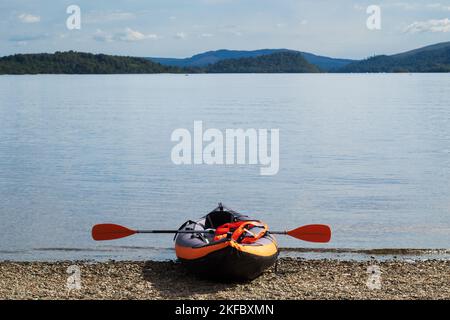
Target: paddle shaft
pixel 175 231
pixel 194 231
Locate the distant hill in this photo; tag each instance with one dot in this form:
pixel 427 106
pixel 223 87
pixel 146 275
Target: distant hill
pixel 326 63
pixel 279 62
pixel 433 47
pixel 434 58
pixel 78 63
pixel 211 57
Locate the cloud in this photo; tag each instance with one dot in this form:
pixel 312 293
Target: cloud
pixel 233 29
pixel 411 6
pixel 180 35
pixel 128 35
pixel 438 6
pixel 206 35
pixel 101 36
pixel 402 5
pixel 102 17
pixel 429 26
pixel 29 18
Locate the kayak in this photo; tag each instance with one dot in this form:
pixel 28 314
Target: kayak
pixel 224 244
pixel 229 246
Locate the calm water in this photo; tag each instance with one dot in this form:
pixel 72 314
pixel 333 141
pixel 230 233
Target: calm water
pixel 367 154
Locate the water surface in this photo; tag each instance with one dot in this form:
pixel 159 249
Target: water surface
pixel 367 154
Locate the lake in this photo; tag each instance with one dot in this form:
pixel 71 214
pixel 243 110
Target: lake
pixel 368 154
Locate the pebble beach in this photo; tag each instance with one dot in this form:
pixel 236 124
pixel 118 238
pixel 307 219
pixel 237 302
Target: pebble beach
pixel 293 279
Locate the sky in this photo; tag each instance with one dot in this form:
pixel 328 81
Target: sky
pixel 181 28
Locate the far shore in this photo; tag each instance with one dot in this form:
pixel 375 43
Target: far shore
pixel 293 279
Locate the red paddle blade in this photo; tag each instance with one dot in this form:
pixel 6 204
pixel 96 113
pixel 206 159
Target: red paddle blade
pixel 108 231
pixel 312 233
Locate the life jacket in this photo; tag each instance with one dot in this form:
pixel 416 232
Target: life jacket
pixel 240 231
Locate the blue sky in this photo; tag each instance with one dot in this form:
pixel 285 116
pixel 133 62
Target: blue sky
pixel 180 28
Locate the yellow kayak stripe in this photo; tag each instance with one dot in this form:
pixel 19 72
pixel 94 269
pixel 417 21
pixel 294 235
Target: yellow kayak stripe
pixel 263 250
pixel 190 253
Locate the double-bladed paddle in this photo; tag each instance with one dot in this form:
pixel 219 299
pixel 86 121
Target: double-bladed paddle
pixel 311 233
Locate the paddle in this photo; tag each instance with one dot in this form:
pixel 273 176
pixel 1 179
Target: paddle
pixel 109 231
pixel 311 233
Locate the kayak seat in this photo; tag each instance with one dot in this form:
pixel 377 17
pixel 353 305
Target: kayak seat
pixel 217 218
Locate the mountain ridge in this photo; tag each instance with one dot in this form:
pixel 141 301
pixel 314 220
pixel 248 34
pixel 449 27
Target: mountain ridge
pixel 210 57
pixel 432 58
pixel 278 62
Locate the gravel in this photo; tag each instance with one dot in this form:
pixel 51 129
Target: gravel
pixel 294 279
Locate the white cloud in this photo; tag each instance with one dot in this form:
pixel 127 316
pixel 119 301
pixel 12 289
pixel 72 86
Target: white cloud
pixel 128 35
pixel 180 35
pixel 412 6
pixel 134 35
pixel 429 26
pixel 206 35
pixel 29 18
pixel 403 5
pixel 101 17
pixel 438 6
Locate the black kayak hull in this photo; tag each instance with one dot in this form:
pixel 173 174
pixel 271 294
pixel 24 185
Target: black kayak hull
pixel 230 264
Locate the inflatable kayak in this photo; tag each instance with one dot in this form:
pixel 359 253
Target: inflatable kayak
pixel 229 246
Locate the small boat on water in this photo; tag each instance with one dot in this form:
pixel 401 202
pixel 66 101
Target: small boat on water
pixel 236 248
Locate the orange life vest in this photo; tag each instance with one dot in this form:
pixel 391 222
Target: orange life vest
pixel 239 229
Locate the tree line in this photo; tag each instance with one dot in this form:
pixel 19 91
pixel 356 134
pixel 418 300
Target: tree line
pixel 86 63
pixel 72 62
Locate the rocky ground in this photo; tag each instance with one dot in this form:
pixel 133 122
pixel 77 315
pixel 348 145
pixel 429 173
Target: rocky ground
pixel 294 279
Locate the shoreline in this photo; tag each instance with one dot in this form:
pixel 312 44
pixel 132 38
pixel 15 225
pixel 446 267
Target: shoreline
pixel 143 253
pixel 306 279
